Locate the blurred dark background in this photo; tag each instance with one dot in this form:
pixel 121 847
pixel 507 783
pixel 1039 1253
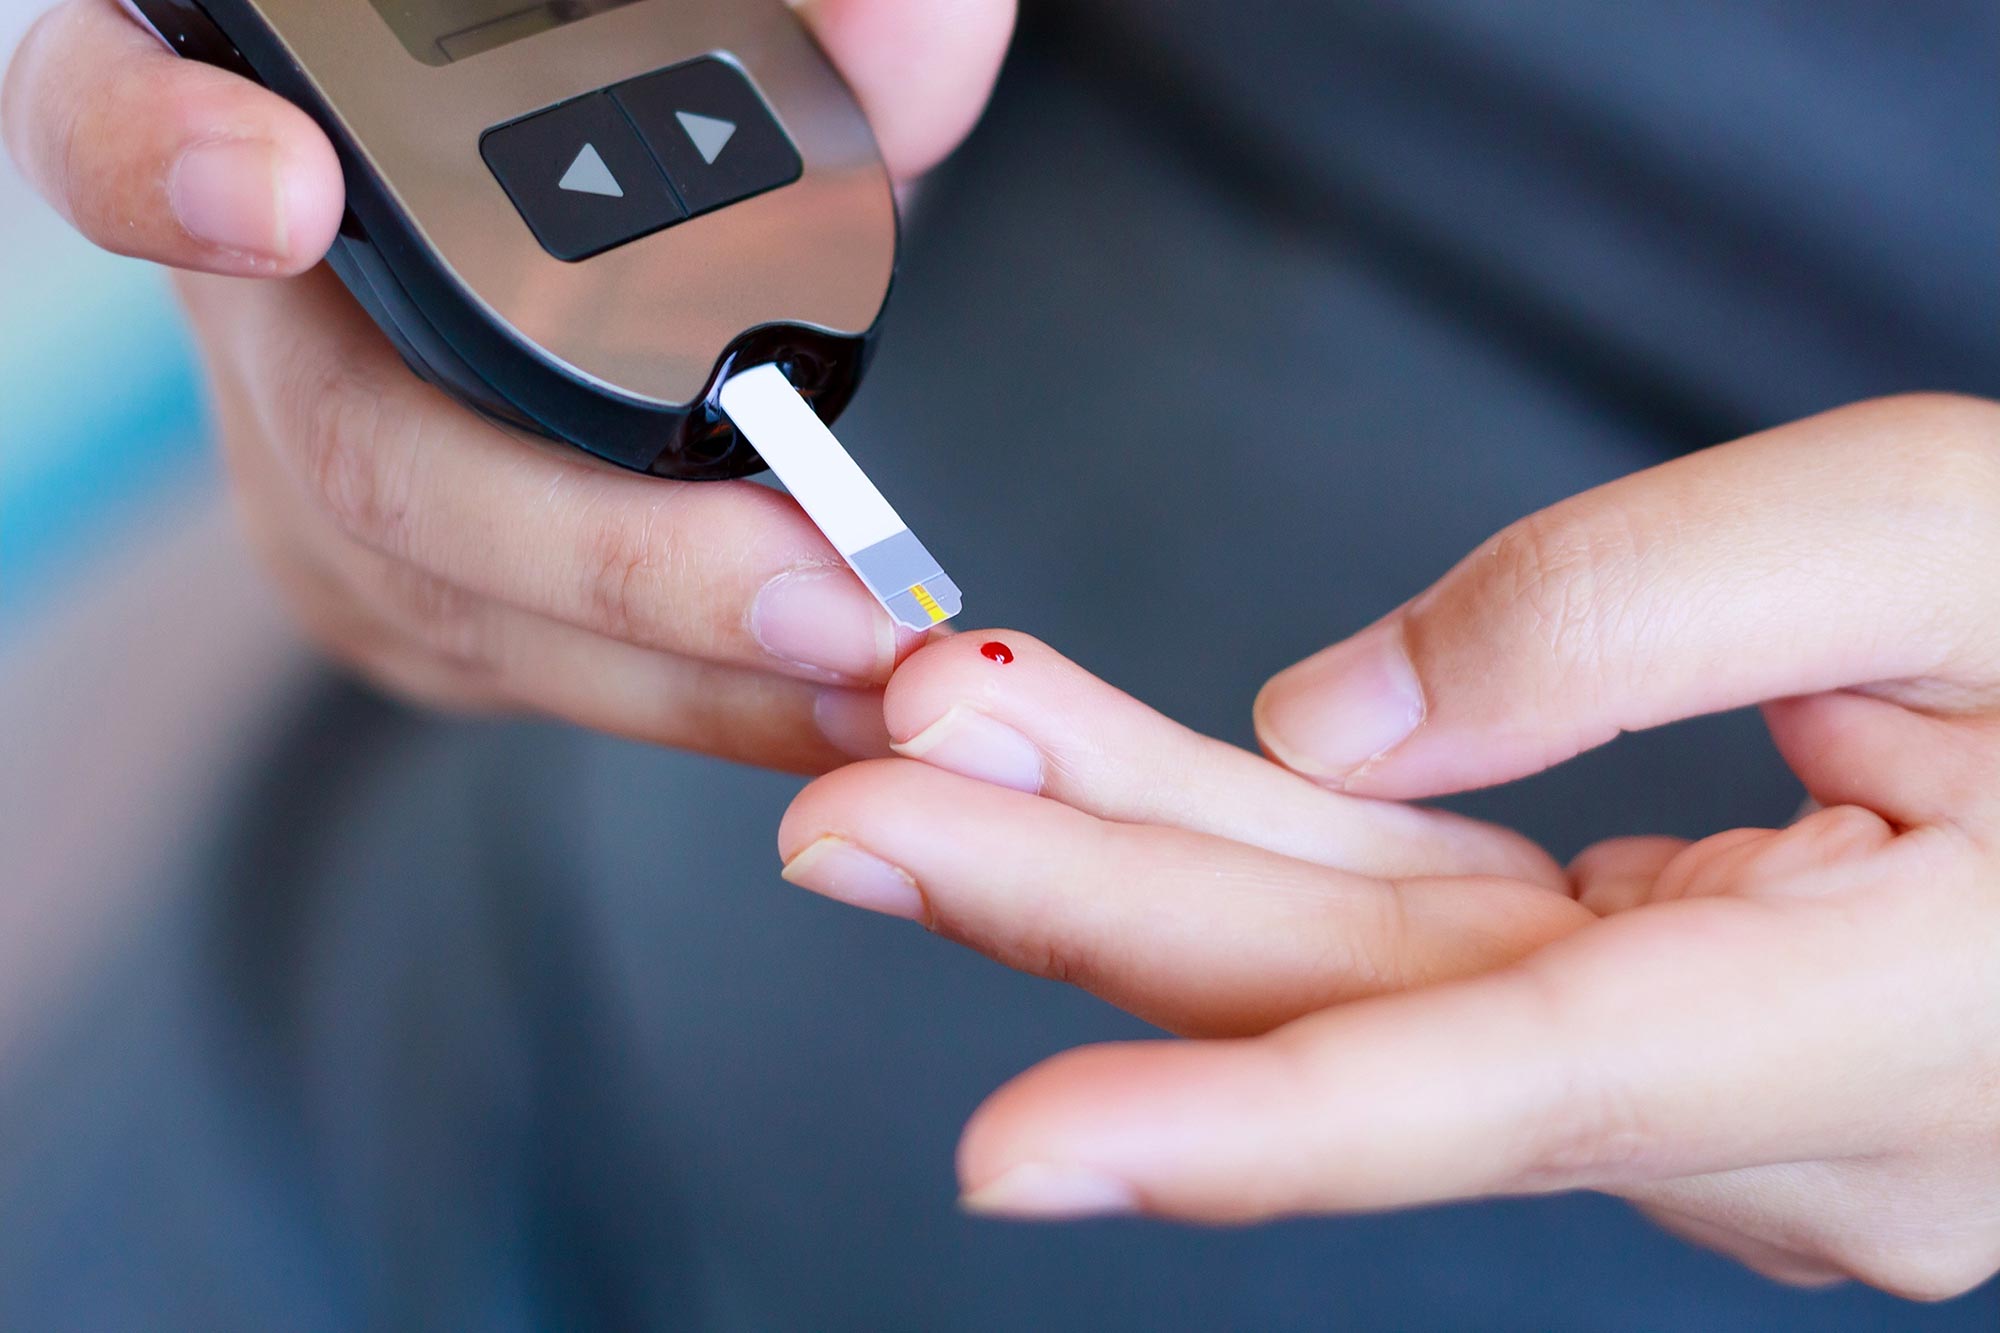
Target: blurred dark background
pixel 1233 326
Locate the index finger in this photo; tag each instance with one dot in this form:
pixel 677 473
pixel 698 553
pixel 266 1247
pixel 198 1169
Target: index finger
pixel 1041 723
pixel 1684 1039
pixel 727 572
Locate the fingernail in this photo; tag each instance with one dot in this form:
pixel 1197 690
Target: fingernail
pixel 835 868
pixel 851 721
pixel 970 743
pixel 230 193
pixel 823 619
pixel 1331 716
pixel 1039 1190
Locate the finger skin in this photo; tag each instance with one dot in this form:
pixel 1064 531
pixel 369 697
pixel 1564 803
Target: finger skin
pixel 519 660
pixel 1192 932
pixel 1105 753
pixel 524 662
pixel 922 69
pixel 398 468
pixel 1918 1224
pixel 1754 1253
pixel 436 644
pixel 1688 1038
pixel 116 131
pixel 430 641
pixel 1854 549
pixel 1618 875
pixel 1853 747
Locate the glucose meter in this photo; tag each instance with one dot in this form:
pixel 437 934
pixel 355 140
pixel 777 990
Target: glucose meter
pixel 584 218
pixel 580 216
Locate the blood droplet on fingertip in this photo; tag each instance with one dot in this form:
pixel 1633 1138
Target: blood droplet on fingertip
pixel 997 651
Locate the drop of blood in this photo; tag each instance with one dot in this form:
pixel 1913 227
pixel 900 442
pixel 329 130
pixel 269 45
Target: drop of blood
pixel 997 652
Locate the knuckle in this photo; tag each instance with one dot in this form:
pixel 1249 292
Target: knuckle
pixel 624 566
pixel 1044 941
pixel 1052 932
pixel 338 422
pixel 1595 1135
pixel 1564 575
pixel 1596 1132
pixel 1364 950
pixel 453 625
pixel 1068 962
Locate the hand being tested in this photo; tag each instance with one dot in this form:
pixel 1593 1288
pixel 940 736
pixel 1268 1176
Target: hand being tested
pixel 1784 1044
pixel 449 559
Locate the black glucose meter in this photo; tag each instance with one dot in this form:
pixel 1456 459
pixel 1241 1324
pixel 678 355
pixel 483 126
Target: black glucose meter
pixel 582 217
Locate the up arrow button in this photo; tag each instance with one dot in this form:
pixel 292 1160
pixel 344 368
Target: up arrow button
pixel 710 135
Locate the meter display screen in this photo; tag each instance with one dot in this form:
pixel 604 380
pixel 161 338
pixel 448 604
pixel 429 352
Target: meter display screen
pixel 438 32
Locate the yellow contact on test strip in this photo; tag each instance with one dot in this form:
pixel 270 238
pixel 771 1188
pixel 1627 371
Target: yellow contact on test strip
pixel 929 604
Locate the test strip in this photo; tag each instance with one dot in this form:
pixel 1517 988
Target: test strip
pixel 826 481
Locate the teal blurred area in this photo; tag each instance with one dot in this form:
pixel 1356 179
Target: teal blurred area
pixel 101 411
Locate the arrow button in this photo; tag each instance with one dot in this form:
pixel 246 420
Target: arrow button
pixel 710 135
pixel 581 177
pixel 712 131
pixel 589 175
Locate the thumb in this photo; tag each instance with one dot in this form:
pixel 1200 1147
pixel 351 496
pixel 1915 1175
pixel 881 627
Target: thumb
pixel 1856 549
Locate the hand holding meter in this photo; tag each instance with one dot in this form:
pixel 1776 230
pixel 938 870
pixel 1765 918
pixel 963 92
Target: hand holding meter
pixel 584 217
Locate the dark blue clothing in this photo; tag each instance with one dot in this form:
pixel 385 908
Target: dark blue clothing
pixel 506 1026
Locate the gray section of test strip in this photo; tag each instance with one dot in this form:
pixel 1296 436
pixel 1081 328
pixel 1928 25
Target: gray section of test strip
pixel 946 594
pixel 894 564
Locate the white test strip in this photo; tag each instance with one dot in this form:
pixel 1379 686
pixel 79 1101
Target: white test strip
pixel 826 481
